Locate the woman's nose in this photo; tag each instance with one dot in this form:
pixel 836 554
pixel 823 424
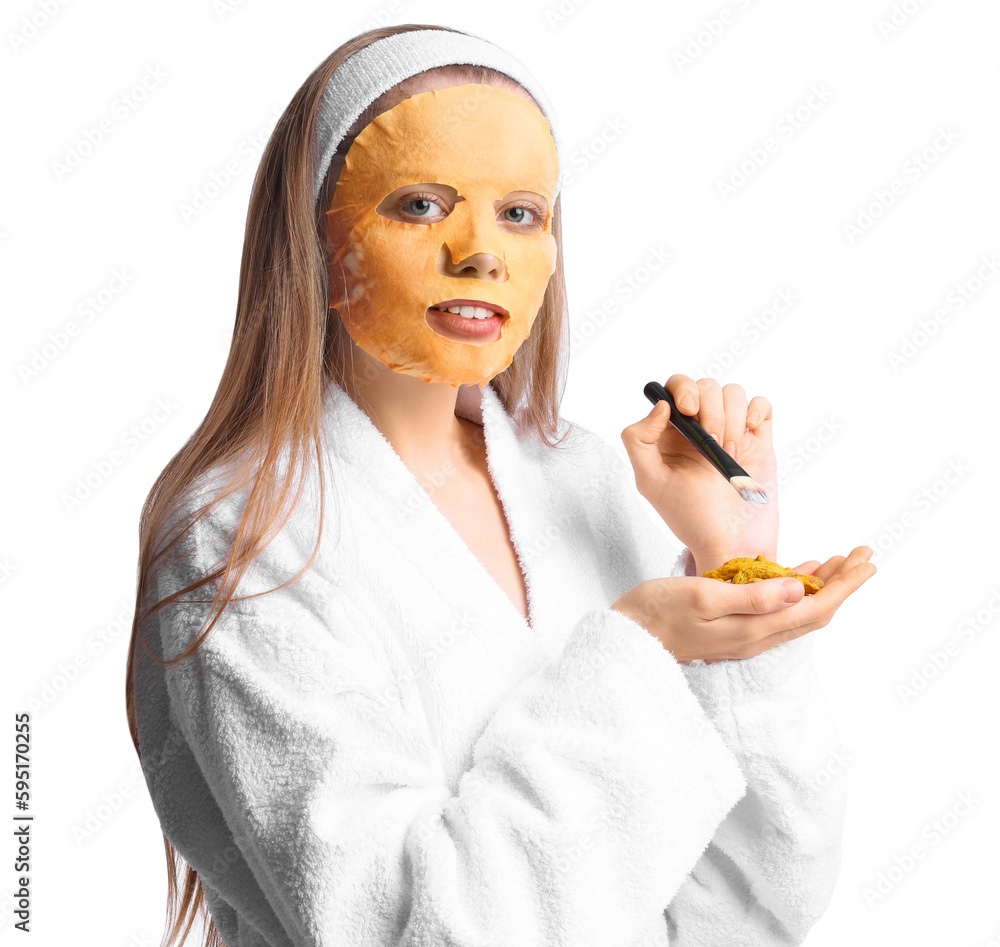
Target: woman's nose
pixel 484 266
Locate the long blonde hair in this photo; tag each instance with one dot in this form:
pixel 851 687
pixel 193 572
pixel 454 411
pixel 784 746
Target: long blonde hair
pixel 284 352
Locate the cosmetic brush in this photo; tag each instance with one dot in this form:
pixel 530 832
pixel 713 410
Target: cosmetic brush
pixel 708 446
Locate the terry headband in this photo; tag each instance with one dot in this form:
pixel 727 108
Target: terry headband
pixel 363 77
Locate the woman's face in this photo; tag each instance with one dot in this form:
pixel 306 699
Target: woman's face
pixel 445 201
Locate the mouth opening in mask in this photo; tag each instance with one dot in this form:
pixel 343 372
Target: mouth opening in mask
pixel 466 320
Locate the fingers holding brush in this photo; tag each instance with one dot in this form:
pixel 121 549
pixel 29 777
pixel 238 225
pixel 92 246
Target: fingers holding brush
pixel 721 410
pixel 741 429
pixel 697 400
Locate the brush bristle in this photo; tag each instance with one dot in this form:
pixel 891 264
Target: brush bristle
pixel 750 490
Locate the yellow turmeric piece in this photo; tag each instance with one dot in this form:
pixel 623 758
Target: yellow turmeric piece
pixel 743 570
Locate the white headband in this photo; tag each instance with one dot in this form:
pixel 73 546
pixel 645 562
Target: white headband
pixel 363 77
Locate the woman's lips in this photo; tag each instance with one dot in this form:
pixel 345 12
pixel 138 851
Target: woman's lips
pixel 487 330
pixel 466 327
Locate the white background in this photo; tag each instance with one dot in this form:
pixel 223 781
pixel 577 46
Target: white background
pixel 864 441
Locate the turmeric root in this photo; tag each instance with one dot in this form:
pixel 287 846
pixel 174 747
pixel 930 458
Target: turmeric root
pixel 743 569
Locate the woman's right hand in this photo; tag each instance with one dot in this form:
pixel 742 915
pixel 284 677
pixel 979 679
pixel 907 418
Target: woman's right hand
pixel 695 617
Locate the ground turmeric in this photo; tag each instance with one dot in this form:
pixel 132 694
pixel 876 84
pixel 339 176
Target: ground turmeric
pixel 743 570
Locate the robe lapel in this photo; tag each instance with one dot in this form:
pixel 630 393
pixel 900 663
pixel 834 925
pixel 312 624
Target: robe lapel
pixel 395 504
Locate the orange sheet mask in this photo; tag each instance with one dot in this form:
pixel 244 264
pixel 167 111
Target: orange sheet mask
pixel 487 150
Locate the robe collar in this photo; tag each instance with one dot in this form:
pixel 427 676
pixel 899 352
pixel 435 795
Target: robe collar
pixel 359 451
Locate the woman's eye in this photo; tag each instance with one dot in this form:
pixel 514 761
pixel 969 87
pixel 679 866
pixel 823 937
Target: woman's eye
pixel 519 215
pixel 526 216
pixel 421 205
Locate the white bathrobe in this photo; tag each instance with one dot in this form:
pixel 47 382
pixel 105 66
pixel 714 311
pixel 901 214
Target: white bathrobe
pixel 387 753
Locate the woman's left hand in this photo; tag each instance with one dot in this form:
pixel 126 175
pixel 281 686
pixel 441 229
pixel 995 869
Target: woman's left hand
pixel 700 506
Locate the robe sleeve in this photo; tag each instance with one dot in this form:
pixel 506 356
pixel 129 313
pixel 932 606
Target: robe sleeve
pixel 306 789
pixel 769 871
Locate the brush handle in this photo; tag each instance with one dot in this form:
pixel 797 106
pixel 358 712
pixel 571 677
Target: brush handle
pixel 695 434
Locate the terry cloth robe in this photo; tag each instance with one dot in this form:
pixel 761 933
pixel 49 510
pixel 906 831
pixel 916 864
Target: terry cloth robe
pixel 386 753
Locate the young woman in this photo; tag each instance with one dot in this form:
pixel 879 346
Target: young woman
pixel 454 684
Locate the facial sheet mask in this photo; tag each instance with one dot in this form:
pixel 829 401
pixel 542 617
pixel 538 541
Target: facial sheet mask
pixel 485 143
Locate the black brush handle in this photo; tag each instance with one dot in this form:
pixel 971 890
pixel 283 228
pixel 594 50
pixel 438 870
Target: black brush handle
pixel 695 434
